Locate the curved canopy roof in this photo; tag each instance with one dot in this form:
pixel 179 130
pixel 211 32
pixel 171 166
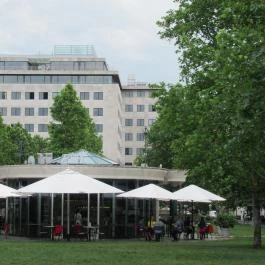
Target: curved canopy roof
pixel 83 157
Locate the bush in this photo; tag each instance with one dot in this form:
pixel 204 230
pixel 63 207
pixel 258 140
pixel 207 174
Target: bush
pixel 225 220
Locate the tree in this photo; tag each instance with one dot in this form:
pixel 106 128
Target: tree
pixel 20 144
pixel 6 146
pixel 73 128
pixel 222 57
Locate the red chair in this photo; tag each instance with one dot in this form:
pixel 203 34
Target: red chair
pixel 58 232
pixel 6 230
pixel 79 233
pixel 209 230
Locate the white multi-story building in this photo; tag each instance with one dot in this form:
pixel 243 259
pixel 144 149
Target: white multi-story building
pixel 28 84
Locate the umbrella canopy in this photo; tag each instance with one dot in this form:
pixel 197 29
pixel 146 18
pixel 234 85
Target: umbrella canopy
pixel 196 194
pixel 150 191
pixel 68 181
pixel 6 191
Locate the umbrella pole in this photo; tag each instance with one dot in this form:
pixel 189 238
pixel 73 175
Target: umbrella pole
pixel 6 221
pixel 62 208
pixel 157 210
pixel 88 209
pixel 98 212
pixel 192 225
pixel 68 216
pixel 52 202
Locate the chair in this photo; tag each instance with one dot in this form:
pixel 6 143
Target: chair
pixel 159 232
pixel 6 230
pixel 79 233
pixel 58 232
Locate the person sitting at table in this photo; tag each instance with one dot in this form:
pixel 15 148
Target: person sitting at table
pixel 177 229
pixel 149 229
pixel 58 232
pixel 188 228
pixel 159 230
pixel 202 228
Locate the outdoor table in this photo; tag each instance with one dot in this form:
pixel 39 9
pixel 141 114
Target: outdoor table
pixel 91 230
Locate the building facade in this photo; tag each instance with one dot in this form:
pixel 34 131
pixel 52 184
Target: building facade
pixel 29 83
pixel 28 216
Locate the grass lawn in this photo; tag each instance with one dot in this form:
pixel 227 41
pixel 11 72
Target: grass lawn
pixel 234 251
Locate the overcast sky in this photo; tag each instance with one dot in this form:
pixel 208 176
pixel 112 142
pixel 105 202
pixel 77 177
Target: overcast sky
pixel 122 31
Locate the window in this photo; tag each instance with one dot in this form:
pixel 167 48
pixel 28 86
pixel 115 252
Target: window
pixel 98 112
pixel 55 94
pixel 151 108
pixel 29 95
pixel 3 111
pixel 128 151
pixel 129 94
pixel 99 128
pixel 43 111
pixel 29 127
pixel 140 94
pixel 139 151
pixel 42 127
pixel 37 79
pixel 128 108
pixel 84 95
pixel 16 95
pixel 128 122
pixel 128 137
pixel 140 136
pixel 15 111
pixel 151 121
pixel 43 95
pixel 140 108
pixel 98 96
pixel 3 95
pixel 140 122
pixel 29 111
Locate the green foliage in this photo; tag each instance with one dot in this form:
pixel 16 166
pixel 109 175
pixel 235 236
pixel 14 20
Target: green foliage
pixel 20 143
pixel 225 220
pixel 222 55
pixel 72 129
pixel 16 144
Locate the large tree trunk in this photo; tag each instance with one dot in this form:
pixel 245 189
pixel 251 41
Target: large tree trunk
pixel 256 213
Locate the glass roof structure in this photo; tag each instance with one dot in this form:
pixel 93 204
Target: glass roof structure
pixel 83 157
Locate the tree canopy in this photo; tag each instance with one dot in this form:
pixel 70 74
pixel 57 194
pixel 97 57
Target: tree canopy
pixel 213 124
pixel 16 144
pixel 72 128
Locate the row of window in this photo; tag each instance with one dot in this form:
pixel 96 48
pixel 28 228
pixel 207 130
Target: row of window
pixel 139 137
pixel 138 93
pixel 139 108
pixel 30 127
pixel 139 122
pixel 45 95
pixel 59 65
pixel 56 79
pixel 16 111
pixel 131 151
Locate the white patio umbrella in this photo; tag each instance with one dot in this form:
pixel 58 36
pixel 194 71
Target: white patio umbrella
pixel 6 192
pixel 150 191
pixel 67 182
pixel 193 193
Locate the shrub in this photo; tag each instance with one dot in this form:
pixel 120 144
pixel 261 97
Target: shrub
pixel 225 220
